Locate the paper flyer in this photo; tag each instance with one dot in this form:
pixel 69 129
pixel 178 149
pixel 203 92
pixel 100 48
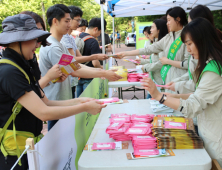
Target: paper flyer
pixel 67 66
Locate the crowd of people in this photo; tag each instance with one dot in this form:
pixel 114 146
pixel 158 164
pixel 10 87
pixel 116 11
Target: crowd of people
pixel 185 55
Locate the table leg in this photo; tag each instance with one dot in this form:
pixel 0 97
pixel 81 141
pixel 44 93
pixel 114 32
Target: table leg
pixel 119 93
pixel 121 89
pixel 144 94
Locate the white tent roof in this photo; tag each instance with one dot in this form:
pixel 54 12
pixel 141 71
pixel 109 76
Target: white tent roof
pixel 127 8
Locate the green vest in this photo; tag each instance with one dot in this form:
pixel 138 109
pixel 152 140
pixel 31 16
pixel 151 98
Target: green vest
pixel 211 66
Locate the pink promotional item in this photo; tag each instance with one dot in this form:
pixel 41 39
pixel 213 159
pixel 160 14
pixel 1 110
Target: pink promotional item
pixel 175 125
pixel 120 119
pixel 65 60
pixel 103 146
pixel 146 152
pixel 115 125
pixel 109 100
pixel 141 125
pixel 138 131
pixel 136 77
pixel 120 115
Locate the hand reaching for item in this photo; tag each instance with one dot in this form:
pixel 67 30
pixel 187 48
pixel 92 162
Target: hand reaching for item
pixel 120 55
pixel 111 76
pixel 171 86
pixel 150 86
pixel 94 107
pixel 138 59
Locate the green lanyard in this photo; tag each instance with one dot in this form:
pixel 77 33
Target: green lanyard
pixel 151 73
pixel 211 66
pixel 171 55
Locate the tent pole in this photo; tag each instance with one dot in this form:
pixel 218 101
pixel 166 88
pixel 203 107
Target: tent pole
pixel 103 46
pixel 113 35
pixel 102 35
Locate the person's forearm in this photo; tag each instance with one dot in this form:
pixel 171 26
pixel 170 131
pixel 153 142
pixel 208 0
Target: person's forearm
pixel 96 63
pixel 83 59
pixel 70 102
pixel 88 73
pixel 175 63
pixel 44 81
pixel 171 102
pixel 182 96
pixel 131 53
pixel 58 112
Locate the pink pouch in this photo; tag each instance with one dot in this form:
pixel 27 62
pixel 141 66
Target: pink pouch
pixel 103 146
pixel 110 100
pixel 144 138
pixel 146 152
pixel 115 125
pixel 132 75
pixel 133 80
pixel 139 119
pixel 134 61
pixel 120 119
pixel 119 131
pixel 137 131
pixel 175 125
pixel 120 115
pixel 141 125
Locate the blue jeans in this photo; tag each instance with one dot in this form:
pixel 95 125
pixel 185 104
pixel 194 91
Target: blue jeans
pixel 148 96
pixel 51 123
pixel 82 84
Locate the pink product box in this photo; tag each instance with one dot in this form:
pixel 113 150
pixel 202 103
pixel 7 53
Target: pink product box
pixel 120 115
pixel 174 125
pixel 145 147
pixel 141 125
pixel 115 125
pixel 119 131
pixel 120 119
pixel 137 131
pixel 139 119
pixel 132 75
pixel 144 138
pixel 103 146
pixel 144 152
pixel 133 80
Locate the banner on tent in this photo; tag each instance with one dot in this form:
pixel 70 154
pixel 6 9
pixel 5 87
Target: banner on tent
pixel 140 37
pixel 62 146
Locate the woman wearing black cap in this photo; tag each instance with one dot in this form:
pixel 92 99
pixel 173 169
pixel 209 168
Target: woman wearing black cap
pixel 18 85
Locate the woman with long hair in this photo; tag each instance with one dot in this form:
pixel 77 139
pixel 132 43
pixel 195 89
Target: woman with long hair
pixel 176 62
pixel 185 83
pixel 158 31
pixel 206 101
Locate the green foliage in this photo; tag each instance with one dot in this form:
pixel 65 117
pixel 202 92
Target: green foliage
pixel 90 10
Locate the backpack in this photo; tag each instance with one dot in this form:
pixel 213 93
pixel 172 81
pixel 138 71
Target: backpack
pixel 118 36
pixel 80 42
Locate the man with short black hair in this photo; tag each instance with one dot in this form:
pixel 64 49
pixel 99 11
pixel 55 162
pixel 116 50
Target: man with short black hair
pixel 91 47
pixel 58 17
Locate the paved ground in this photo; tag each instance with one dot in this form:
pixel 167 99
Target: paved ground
pixel 126 95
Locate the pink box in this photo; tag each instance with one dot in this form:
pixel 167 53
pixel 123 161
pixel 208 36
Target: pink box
pixel 103 146
pixel 175 125
pixel 145 152
pixel 115 125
